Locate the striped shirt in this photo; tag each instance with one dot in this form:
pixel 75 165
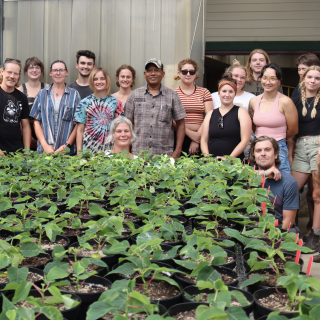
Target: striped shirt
pixel 43 111
pixel 153 117
pixel 194 104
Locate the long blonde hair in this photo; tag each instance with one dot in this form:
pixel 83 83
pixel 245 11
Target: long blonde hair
pixel 249 70
pixel 303 90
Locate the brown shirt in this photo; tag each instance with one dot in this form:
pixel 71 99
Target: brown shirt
pixel 153 117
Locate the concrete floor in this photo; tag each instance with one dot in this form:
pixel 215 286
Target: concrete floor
pixel 303 220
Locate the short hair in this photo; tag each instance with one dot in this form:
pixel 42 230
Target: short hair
pixel 58 61
pixel 250 77
pixel 13 61
pixel 275 146
pixel 309 59
pixel 34 61
pixel 126 67
pixel 273 66
pixel 106 75
pixel 187 61
pixel 113 127
pixel 86 53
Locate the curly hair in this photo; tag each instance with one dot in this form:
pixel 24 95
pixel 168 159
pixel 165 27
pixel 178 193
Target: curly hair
pixel 86 53
pixel 275 146
pixel 303 94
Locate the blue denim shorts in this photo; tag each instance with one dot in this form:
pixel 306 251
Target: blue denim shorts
pixel 284 156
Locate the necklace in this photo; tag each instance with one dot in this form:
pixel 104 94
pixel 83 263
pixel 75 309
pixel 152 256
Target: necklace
pixel 57 93
pixel 310 104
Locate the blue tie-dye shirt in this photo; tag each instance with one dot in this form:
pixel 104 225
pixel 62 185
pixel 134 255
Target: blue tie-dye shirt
pixel 97 114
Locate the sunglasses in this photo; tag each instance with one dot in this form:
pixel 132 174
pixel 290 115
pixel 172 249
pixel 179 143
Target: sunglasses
pixel 185 72
pixel 10 59
pixel 220 124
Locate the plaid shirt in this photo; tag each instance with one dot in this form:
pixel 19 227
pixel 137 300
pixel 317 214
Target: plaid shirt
pixel 43 111
pixel 152 116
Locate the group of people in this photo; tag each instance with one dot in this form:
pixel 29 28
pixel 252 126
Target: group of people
pixel 248 118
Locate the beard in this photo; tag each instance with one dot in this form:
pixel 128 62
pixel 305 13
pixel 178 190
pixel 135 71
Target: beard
pixel 84 75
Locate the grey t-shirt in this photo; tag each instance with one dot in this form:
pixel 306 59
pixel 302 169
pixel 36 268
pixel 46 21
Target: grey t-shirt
pixel 286 192
pixel 84 91
pixel 56 110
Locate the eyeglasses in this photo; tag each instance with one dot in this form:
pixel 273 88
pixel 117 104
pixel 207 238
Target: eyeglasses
pixel 58 70
pixel 271 79
pixel 236 76
pixel 185 72
pixel 34 68
pixel 220 125
pixel 10 59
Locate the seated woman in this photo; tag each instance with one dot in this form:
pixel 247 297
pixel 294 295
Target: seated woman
pixel 121 135
pixel 273 114
pixel 226 130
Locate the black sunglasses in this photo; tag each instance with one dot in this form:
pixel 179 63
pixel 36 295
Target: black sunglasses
pixel 10 59
pixel 185 72
pixel 220 124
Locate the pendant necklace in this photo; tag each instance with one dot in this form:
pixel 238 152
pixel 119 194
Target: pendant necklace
pixel 310 104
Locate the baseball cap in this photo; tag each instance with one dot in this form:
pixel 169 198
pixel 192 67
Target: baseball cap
pixel 154 61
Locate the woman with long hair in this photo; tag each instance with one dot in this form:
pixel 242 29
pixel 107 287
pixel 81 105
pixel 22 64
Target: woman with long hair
pixel 96 112
pixel 33 69
pixel 273 114
pixel 197 102
pixel 307 144
pixel 227 129
pixel 126 76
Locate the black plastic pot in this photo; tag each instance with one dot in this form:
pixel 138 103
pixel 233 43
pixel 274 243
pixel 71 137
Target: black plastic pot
pixel 167 303
pixel 70 314
pixel 74 238
pixel 109 260
pixel 260 310
pixel 191 290
pixel 89 298
pixel 247 256
pixel 182 307
pixel 6 234
pixel 222 270
pixel 41 266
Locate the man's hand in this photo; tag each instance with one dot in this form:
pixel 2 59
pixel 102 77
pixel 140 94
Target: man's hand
pixel 273 173
pixel 48 149
pixel 195 136
pixel 1 153
pixel 194 147
pixel 176 154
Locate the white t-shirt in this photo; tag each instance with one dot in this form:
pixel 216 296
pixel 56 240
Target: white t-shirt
pixel 240 101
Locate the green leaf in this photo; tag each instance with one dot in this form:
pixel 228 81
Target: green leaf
pixel 26 314
pixel 292 268
pixel 233 233
pixel 291 246
pixel 208 274
pixel 51 313
pixel 30 249
pixel 240 297
pixel 126 269
pixel 16 274
pixel 11 314
pixel 167 279
pixel 97 310
pixel 68 302
pixel 236 313
pixel 55 292
pixel 56 273
pixel 204 312
pixel 22 291
pixel 255 278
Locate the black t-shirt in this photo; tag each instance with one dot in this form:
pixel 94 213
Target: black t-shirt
pixel 296 92
pixel 13 108
pixel 307 125
pixel 84 91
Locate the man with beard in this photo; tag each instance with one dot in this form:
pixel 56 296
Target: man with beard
pixel 15 131
pixel 264 152
pixel 85 64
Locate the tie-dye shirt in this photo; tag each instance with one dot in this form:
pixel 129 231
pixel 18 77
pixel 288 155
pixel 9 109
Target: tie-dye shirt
pixel 97 114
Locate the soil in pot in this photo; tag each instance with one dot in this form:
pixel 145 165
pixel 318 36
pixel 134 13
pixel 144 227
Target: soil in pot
pixel 85 288
pixel 206 254
pixel 38 261
pixel 275 301
pixel 32 276
pixel 48 246
pixel 186 315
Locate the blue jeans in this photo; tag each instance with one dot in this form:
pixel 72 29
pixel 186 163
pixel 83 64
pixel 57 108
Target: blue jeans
pixel 284 156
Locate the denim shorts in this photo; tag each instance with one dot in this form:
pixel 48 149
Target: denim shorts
pixel 305 155
pixel 284 156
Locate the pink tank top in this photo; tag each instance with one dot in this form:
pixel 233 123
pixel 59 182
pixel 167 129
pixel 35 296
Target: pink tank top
pixel 273 123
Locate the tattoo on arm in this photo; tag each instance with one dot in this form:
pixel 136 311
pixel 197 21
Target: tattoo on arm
pixel 251 112
pixel 316 179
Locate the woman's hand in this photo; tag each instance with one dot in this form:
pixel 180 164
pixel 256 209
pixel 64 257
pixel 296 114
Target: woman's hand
pixel 61 149
pixel 48 149
pixel 194 147
pixel 194 136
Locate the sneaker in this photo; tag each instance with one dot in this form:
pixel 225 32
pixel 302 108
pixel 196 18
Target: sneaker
pixel 313 242
pixel 316 258
pixel 306 236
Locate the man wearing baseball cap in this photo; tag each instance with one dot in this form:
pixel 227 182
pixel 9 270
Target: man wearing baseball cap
pixel 152 109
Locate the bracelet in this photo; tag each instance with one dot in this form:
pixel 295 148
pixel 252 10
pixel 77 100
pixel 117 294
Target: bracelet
pixel 264 173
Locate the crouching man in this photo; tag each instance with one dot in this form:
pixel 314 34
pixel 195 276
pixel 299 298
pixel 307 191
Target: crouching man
pixel 264 153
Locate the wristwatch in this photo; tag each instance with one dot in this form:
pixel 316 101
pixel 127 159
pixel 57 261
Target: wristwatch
pixel 67 145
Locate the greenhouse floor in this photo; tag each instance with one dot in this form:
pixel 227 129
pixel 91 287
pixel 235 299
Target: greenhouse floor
pixel 303 220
